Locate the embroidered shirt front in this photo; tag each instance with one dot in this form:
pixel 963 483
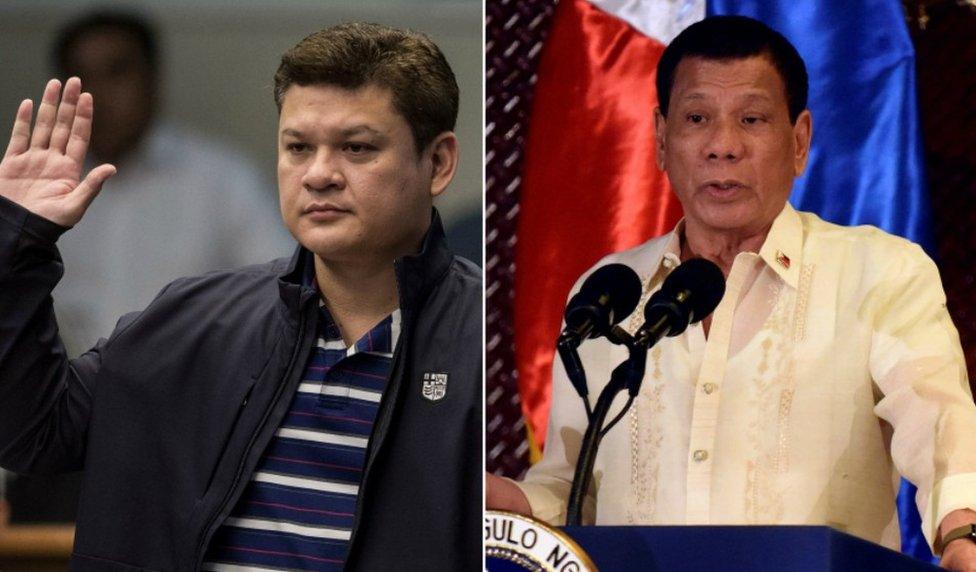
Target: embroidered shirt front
pixel 831 347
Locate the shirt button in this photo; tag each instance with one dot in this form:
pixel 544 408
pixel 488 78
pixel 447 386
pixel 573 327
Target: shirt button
pixel 709 388
pixel 668 263
pixel 700 455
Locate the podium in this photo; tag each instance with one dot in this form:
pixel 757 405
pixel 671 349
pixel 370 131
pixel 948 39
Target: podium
pixel 36 547
pixel 736 548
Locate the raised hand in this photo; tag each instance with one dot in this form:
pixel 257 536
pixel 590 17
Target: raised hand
pixel 41 171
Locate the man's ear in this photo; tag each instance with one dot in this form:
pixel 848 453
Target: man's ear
pixel 444 160
pixel 802 135
pixel 660 126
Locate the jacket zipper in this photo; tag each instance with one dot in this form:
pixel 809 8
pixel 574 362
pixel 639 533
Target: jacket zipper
pixel 237 418
pixel 379 433
pixel 214 520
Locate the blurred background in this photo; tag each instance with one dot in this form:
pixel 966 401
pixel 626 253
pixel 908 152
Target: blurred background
pixel 208 141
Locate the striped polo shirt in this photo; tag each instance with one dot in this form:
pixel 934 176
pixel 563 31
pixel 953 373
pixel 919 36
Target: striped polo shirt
pixel 297 511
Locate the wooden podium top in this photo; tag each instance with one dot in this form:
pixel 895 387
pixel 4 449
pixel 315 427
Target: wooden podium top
pixel 37 540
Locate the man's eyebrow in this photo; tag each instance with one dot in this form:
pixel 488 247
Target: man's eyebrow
pixel 751 97
pixel 358 129
pixel 757 96
pixel 346 132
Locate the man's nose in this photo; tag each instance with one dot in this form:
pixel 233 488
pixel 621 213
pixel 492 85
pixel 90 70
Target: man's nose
pixel 324 172
pixel 725 141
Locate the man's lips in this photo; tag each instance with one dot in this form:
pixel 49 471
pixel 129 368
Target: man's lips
pixel 324 211
pixel 723 188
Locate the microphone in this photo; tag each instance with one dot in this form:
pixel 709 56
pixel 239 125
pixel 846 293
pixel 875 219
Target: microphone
pixel 606 297
pixel 688 295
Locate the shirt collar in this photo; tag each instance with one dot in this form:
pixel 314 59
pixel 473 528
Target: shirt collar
pixel 783 247
pixel 381 338
pixel 781 250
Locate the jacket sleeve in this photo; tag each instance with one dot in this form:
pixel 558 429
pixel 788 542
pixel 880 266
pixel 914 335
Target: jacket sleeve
pixel 918 366
pixel 45 399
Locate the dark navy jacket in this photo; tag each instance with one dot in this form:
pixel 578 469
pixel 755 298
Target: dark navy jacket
pixel 169 416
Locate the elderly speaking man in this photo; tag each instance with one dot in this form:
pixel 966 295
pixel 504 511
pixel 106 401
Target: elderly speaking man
pixel 830 366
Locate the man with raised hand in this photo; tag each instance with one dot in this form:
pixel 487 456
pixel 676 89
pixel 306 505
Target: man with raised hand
pixel 322 412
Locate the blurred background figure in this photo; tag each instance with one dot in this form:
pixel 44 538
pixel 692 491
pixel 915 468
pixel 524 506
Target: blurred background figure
pixel 176 190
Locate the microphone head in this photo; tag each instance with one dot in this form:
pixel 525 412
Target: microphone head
pixel 688 295
pixel 607 296
pixel 704 283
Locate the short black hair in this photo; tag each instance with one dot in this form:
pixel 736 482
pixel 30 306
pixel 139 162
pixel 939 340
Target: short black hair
pixel 128 22
pixel 356 54
pixel 726 38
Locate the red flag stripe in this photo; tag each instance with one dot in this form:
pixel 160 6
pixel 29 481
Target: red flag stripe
pixel 590 183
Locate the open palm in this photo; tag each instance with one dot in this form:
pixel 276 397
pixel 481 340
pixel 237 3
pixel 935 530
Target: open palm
pixel 41 171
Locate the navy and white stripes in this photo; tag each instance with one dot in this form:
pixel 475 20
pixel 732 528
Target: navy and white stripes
pixel 298 510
